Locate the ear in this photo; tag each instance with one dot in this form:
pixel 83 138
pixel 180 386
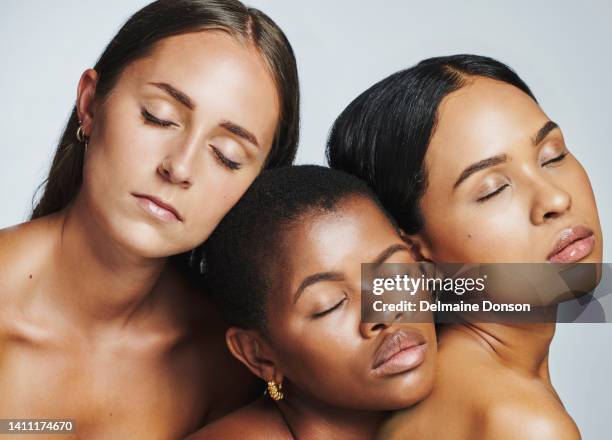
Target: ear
pixel 252 350
pixel 86 93
pixel 419 245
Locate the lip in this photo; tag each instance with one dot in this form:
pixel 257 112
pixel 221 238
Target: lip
pixel 400 351
pixel 573 245
pixel 158 208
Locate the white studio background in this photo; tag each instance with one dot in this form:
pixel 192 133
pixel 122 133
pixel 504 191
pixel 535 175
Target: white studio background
pixel 560 48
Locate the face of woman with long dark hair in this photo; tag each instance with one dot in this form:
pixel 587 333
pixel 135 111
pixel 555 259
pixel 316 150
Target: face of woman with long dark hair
pixel 502 185
pixel 181 136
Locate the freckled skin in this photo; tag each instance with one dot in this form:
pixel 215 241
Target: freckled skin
pixel 94 326
pixel 493 381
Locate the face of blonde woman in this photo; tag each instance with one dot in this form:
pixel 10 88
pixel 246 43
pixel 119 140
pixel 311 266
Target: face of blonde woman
pixel 502 185
pixel 177 141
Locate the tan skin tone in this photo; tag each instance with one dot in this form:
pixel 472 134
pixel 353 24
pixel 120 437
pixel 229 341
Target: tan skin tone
pixel 316 346
pixel 493 380
pixel 88 329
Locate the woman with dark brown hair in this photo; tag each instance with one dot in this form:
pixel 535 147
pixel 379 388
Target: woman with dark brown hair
pixel 464 158
pixel 187 104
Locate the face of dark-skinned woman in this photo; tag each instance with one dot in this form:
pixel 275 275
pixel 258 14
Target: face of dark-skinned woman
pixel 499 171
pixel 314 335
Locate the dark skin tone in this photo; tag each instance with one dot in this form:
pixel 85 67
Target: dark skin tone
pixel 493 380
pixel 94 326
pixel 314 342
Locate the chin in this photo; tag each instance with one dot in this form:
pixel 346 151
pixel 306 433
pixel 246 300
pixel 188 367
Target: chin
pixel 144 240
pixel 406 399
pixel 411 390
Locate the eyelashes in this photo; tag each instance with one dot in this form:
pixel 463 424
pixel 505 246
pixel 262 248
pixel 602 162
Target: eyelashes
pixel 492 194
pixel 148 117
pixel 223 160
pixel 228 163
pixel 559 158
pixel 331 309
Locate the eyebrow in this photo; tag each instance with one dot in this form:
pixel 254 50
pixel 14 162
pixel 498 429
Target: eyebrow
pixel 240 132
pixel 386 254
pixel 316 278
pixel 502 158
pixel 176 94
pixel 480 165
pixel 188 102
pixel 543 132
pixel 337 276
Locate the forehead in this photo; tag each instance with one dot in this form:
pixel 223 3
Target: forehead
pixel 354 233
pixel 484 118
pixel 202 51
pixel 218 72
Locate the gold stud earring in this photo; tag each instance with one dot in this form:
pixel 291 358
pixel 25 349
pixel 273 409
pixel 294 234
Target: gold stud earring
pixel 274 390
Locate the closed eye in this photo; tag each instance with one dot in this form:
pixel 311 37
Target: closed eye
pixel 555 159
pixel 228 163
pixel 492 194
pixel 331 309
pixel 152 119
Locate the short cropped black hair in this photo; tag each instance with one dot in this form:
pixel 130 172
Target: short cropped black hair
pixel 243 255
pixel 383 135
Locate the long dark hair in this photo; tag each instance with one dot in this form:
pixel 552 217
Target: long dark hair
pixel 383 135
pixel 137 38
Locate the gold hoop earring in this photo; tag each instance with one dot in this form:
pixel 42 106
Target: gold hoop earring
pixel 80 134
pixel 274 390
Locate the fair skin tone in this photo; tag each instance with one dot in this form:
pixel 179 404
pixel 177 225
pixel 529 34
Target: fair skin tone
pixel 89 330
pixel 493 381
pixel 333 389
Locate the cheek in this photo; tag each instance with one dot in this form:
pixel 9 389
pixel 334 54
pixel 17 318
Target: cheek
pixel 213 195
pixel 122 150
pixel 480 233
pixel 327 364
pixel 318 352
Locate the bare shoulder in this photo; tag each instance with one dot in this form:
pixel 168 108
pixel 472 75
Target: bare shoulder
pixel 23 246
pixel 256 421
pixel 497 402
pixel 522 420
pixel 205 359
pixel 481 399
pixel 24 249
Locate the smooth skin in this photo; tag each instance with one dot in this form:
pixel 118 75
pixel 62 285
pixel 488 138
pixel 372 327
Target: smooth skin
pixel 314 342
pixel 493 381
pixel 89 330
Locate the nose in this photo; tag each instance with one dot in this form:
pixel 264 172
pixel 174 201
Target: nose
pixel 370 330
pixel 177 168
pixel 549 202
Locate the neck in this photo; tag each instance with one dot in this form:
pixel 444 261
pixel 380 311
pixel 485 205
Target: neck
pixel 94 279
pixel 522 347
pixel 310 418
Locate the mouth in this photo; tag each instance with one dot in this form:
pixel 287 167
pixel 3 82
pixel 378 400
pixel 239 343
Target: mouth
pixel 399 352
pixel 573 245
pixel 158 208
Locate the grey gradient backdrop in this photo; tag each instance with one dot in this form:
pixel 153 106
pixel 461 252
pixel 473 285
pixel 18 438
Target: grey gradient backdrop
pixel 561 48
